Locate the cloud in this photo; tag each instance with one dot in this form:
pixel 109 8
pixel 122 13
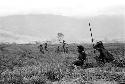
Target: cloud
pixel 117 10
pixel 59 7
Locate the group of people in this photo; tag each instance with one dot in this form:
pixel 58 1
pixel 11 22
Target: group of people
pixel 104 56
pixel 64 46
pixel 44 47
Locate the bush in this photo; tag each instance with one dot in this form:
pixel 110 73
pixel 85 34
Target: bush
pixel 22 75
pixel 54 75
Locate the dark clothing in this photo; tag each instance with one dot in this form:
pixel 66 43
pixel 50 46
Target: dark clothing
pixel 41 48
pixel 46 47
pixel 64 45
pixel 104 56
pixel 78 63
pixel 82 56
pixel 58 49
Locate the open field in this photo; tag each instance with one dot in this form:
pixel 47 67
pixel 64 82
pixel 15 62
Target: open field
pixel 24 64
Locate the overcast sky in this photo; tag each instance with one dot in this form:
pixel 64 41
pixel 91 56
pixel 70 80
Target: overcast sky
pixel 72 8
pixel 63 7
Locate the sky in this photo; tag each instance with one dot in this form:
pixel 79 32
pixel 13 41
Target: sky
pixel 61 7
pixel 72 8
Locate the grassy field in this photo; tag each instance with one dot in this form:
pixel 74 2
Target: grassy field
pixel 24 64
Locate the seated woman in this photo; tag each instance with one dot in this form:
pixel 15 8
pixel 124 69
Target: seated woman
pixel 81 57
pixel 104 56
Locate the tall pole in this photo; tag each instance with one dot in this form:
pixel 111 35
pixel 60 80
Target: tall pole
pixel 92 40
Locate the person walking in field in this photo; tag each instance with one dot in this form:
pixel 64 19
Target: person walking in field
pixel 58 50
pixel 46 46
pixel 64 46
pixel 41 48
pixel 67 50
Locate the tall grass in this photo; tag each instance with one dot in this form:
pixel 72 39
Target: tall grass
pixel 24 64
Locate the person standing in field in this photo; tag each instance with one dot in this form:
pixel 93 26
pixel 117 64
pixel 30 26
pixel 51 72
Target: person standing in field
pixel 46 46
pixel 58 50
pixel 67 50
pixel 64 45
pixel 41 48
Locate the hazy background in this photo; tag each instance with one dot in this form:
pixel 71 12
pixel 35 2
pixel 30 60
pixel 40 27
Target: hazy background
pixel 40 20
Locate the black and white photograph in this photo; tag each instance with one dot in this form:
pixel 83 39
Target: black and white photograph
pixel 62 41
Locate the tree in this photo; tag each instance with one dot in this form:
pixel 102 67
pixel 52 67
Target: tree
pixel 60 36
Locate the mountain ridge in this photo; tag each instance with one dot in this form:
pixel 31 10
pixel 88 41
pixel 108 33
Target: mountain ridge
pixel 45 27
